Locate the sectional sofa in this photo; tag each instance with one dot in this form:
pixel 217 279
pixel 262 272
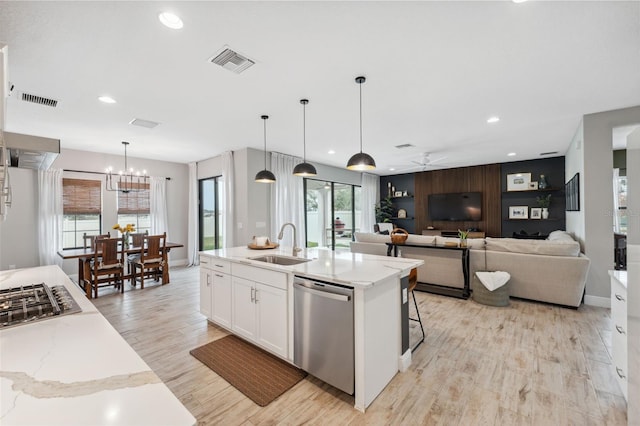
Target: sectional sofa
pixel 552 270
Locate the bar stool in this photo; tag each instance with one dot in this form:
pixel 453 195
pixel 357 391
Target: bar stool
pixel 413 281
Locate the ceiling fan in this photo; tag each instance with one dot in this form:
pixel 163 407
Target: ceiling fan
pixel 427 160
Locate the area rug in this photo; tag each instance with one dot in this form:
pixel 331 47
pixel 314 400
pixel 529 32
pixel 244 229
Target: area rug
pixel 262 377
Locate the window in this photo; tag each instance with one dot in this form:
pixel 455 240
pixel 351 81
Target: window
pixel 82 204
pixel 133 207
pixel 622 205
pixel 211 213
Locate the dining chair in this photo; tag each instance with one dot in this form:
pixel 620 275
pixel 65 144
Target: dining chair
pixel 107 267
pixel 153 259
pixel 137 240
pixel 89 241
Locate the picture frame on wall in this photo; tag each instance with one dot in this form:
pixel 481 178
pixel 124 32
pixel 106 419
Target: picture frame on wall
pixel 536 213
pixel 533 186
pixel 518 181
pixel 519 212
pixel 397 194
pixel 572 194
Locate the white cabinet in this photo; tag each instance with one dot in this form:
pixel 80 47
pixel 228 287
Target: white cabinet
pixel 205 291
pixel 619 328
pixel 260 310
pixel 221 299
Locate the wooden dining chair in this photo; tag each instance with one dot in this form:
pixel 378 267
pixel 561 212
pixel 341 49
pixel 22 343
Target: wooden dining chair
pixel 153 258
pixel 89 241
pixel 107 266
pixel 137 240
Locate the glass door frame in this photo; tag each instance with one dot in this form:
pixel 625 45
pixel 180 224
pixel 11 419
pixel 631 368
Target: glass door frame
pixel 216 212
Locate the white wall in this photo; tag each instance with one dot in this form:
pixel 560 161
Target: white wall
pixel 598 194
pixel 22 218
pixel 574 163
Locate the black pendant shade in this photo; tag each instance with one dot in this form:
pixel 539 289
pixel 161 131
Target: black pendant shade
pixel 361 161
pixel 265 176
pixel 304 168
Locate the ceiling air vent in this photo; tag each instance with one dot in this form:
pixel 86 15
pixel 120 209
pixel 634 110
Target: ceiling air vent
pixel 143 123
pixel 404 145
pixel 549 153
pixel 40 100
pixel 232 61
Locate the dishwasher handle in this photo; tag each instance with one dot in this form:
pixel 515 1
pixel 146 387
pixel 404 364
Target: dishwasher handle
pixel 325 294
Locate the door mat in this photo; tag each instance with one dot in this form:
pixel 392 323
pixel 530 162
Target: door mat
pixel 262 377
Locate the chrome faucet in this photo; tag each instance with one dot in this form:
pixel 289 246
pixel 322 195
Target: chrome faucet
pixel 295 249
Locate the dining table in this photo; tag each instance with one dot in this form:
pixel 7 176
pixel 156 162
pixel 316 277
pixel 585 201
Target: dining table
pixel 84 255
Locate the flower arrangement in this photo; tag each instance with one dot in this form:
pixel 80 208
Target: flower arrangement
pixel 463 234
pixel 129 227
pixel 544 200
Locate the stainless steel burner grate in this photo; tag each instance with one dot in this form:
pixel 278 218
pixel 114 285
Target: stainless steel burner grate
pixel 19 305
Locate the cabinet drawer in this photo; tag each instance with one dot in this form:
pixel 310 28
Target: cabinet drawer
pixel 266 276
pixel 216 264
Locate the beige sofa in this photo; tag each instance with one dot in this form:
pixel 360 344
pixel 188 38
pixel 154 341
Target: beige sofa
pixel 551 270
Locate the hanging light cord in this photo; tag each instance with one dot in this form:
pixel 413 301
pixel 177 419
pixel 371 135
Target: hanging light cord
pixel 264 120
pixel 360 117
pixel 304 132
pixel 125 157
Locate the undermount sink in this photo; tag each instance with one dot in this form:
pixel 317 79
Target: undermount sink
pixel 280 260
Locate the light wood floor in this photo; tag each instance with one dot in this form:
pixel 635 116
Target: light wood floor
pixel 528 364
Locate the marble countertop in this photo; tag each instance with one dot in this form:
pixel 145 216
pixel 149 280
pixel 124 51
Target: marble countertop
pixel 76 369
pixel 339 266
pixel 620 276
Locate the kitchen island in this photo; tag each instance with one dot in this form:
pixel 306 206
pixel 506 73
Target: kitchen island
pixel 76 369
pixel 233 280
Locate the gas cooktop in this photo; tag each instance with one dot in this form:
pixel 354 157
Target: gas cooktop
pixel 24 304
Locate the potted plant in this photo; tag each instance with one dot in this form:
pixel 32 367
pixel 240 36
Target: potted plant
pixel 463 237
pixel 384 211
pixel 544 201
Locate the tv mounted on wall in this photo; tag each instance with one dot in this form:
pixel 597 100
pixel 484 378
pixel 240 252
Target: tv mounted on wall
pixel 462 206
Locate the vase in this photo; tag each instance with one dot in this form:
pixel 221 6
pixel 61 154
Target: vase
pixel 545 213
pixel 463 242
pixel 127 240
pixel 542 183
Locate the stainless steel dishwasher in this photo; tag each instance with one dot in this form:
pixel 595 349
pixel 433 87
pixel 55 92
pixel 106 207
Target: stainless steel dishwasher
pixel 323 332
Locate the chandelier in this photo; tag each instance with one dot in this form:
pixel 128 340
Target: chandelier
pixel 126 181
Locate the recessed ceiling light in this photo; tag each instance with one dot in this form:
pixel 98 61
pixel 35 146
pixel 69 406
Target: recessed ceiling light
pixel 331 151
pixel 170 20
pixel 511 154
pixel 518 1
pixel 391 169
pixel 107 99
pixel 493 119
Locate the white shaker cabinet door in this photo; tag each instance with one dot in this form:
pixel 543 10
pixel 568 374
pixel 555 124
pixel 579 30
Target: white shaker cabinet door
pixel 271 305
pixel 244 311
pixel 221 299
pixel 205 292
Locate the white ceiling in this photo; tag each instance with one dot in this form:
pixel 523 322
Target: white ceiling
pixel 435 72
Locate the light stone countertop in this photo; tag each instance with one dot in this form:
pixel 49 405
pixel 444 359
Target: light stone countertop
pixel 76 369
pixel 620 276
pixel 339 266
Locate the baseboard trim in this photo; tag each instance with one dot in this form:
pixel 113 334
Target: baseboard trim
pixel 178 262
pixel 404 361
pixel 602 302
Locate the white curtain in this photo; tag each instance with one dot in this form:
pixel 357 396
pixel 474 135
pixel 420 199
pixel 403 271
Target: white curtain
pixel 616 204
pixel 158 206
pixel 50 215
pixel 370 192
pixel 192 219
pixel 287 199
pixel 227 199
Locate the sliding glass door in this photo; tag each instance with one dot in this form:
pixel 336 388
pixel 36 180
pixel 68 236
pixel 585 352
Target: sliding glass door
pixel 210 213
pixel 333 213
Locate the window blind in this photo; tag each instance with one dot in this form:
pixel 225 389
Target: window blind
pixel 134 202
pixel 81 196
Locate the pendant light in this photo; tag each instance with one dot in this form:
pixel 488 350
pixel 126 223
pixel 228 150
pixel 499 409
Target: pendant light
pixel 304 168
pixel 265 176
pixel 361 161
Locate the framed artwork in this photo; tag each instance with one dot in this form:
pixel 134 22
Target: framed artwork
pixel 572 194
pixel 518 212
pixel 536 212
pixel 518 181
pixel 397 194
pixel 533 186
pixel 402 214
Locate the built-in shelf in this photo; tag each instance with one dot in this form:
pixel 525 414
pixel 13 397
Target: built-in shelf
pixel 402 218
pixel 532 190
pixel 403 196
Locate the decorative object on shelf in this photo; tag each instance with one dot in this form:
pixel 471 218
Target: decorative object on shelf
pixel 389 193
pixel 265 176
pixel 128 180
pixel 536 213
pixel 542 183
pixel 544 201
pixel 126 231
pixel 463 237
pixel 304 168
pixel 518 181
pixel 405 193
pixel 384 211
pixel 361 161
pixel 518 212
pixel 397 194
pixel 533 186
pixel 572 194
pixel 398 236
pixel 402 214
